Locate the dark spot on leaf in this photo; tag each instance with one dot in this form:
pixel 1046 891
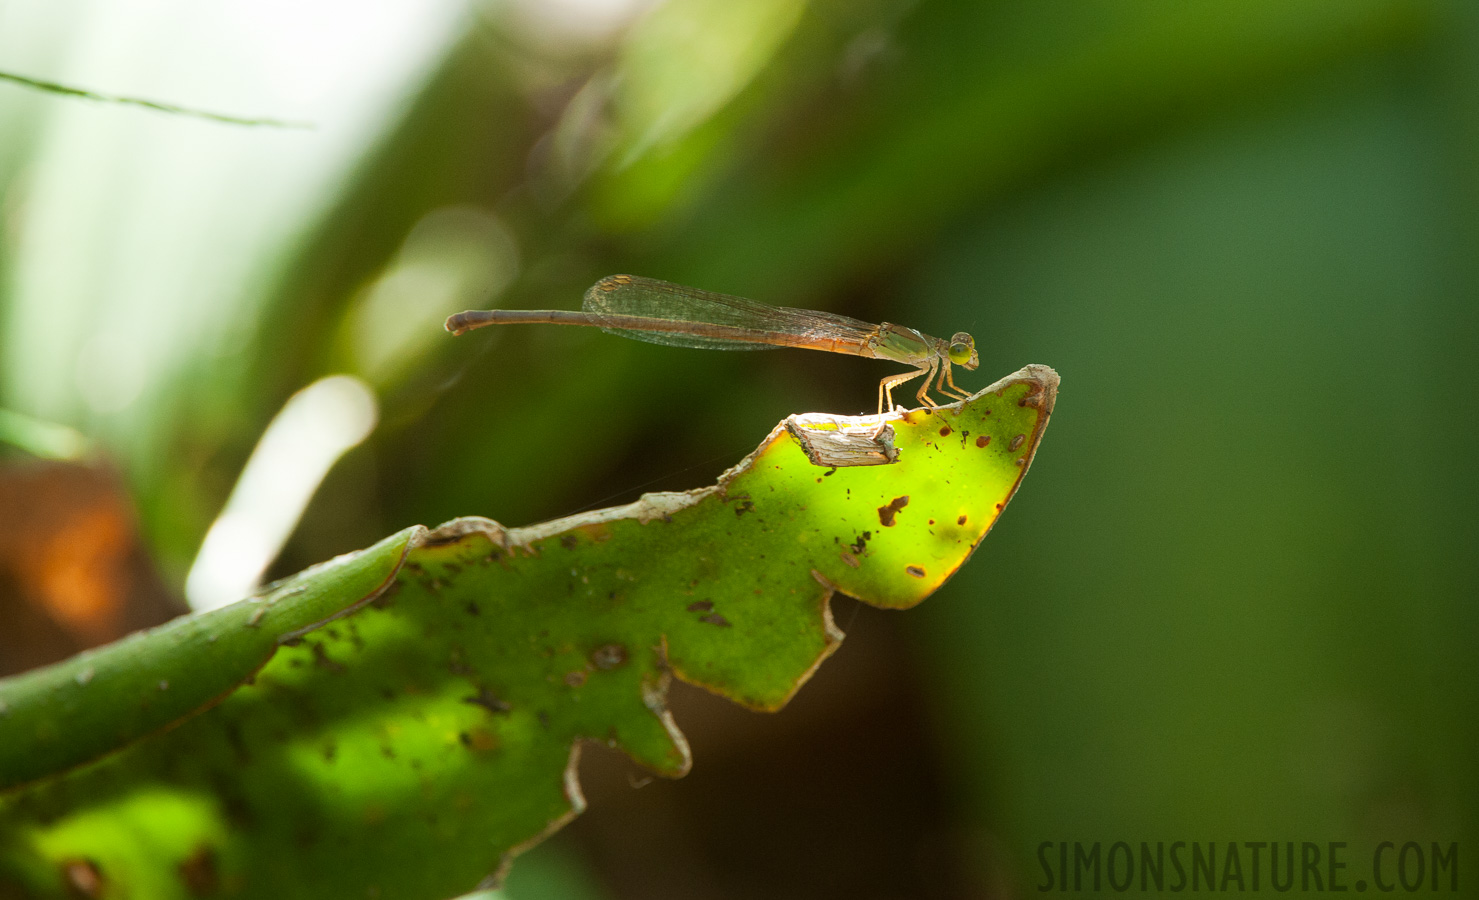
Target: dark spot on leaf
pixel 83 877
pixel 960 521
pixel 608 656
pixel 850 559
pixel 1016 442
pixel 569 541
pixel 472 609
pixel 199 874
pixel 330 751
pixel 983 440
pixel 715 619
pixel 701 606
pixel 479 740
pixel 321 659
pixel 743 507
pixel 886 513
pixel 945 430
pixel 916 571
pixel 575 678
pixel 831 471
pixel 292 642
pixel 861 543
pixel 487 700
pixel 544 719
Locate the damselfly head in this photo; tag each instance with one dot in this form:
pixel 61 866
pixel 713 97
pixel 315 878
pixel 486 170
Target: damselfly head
pixel 963 351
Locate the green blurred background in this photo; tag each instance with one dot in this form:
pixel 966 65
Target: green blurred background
pixel 1226 606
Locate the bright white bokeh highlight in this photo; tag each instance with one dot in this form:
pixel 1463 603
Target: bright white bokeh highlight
pixel 312 431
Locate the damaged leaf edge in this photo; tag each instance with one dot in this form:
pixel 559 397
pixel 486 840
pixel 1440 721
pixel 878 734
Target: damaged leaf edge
pixel 659 505
pixel 655 506
pixel 1045 380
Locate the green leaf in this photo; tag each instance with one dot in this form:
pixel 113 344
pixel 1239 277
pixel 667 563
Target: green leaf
pixel 77 710
pixel 420 722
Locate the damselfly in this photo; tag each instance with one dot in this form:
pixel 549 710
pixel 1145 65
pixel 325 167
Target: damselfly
pixel 663 313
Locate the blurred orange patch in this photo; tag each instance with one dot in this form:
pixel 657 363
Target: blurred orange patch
pixel 72 572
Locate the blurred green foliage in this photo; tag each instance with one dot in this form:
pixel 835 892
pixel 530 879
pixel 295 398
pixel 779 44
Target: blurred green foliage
pixel 1242 233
